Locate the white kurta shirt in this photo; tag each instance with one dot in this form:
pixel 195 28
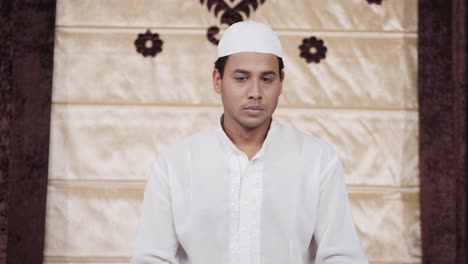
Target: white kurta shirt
pixel 206 203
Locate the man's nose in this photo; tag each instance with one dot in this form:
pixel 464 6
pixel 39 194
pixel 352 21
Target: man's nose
pixel 255 90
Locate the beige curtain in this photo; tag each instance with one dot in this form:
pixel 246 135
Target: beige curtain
pixel 114 110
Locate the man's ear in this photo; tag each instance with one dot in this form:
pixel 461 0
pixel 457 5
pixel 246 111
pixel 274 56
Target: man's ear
pixel 217 81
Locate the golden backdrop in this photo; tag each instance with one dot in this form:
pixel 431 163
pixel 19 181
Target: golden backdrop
pixel 114 110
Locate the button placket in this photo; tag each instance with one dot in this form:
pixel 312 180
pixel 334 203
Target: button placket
pixel 249 212
pixel 244 210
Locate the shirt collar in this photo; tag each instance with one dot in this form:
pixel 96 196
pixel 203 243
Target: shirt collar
pixel 229 146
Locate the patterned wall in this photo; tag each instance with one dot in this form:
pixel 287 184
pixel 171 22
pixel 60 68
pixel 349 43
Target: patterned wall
pixel 115 109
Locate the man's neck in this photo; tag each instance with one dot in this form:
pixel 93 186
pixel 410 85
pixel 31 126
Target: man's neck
pixel 248 140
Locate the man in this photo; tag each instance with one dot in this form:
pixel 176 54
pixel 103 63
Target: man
pixel 250 190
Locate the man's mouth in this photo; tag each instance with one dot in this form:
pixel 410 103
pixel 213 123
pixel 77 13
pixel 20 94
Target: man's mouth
pixel 253 109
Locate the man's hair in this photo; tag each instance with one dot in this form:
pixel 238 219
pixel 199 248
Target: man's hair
pixel 220 63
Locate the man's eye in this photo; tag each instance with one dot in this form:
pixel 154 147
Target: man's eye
pixel 267 79
pixel 240 78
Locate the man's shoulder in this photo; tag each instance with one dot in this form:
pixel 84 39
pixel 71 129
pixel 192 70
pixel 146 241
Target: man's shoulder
pixel 304 140
pixel 288 133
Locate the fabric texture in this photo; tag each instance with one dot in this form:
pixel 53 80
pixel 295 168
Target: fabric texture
pixel 442 91
pixel 26 56
pixel 288 204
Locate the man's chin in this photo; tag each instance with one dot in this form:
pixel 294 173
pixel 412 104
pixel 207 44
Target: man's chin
pixel 254 123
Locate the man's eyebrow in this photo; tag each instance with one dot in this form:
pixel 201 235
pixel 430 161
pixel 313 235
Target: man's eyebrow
pixel 248 73
pixel 241 71
pixel 269 72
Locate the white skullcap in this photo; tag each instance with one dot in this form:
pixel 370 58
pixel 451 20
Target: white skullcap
pixel 249 36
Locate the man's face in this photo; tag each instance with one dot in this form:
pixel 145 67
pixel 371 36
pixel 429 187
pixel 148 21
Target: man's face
pixel 249 89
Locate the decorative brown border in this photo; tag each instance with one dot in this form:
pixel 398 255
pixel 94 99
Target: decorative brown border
pixel 442 99
pixel 26 78
pixel 230 15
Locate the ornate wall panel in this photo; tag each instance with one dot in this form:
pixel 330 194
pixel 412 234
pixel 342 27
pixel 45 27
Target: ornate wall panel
pixel 96 222
pixel 114 110
pixel 118 142
pixel 111 212
pixel 339 15
pixel 361 71
pixel 388 223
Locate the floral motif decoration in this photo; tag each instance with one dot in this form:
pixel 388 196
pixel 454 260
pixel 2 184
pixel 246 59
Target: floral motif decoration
pixel 378 2
pixel 148 44
pixel 211 35
pixel 313 49
pixel 232 13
